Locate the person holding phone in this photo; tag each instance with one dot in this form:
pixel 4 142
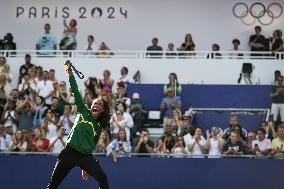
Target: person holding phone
pixel 261 146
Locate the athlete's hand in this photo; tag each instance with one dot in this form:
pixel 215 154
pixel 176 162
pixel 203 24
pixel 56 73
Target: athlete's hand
pixel 85 175
pixel 67 66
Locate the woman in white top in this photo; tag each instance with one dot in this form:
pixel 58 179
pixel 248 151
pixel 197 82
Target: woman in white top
pixel 215 144
pixel 48 125
pixel 179 148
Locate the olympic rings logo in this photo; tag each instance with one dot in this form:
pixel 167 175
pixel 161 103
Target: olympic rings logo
pixel 257 11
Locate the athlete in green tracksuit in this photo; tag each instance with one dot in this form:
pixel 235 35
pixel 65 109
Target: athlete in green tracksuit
pixel 82 139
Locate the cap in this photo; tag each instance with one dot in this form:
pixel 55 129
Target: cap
pixel 136 95
pixel 186 114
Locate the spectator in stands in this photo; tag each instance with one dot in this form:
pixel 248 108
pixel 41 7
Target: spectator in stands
pixel 233 146
pixel 39 73
pixel 64 95
pixel 8 43
pixel 40 108
pixel 15 96
pixel 270 132
pixel 106 83
pixel 19 142
pixel 48 125
pixel 54 108
pixel 45 88
pixel 257 42
pixel 120 95
pixel 214 144
pixel 92 87
pixel 277 43
pixel 47 42
pixel 169 138
pixel 69 42
pixel 176 122
pixel 168 104
pixel 27 87
pixel 67 119
pixel 196 145
pixel 58 142
pixel 4 93
pixel 117 122
pixel 235 51
pixel 171 52
pixel 154 47
pixel 261 146
pixel 277 73
pixel 278 143
pixel 39 143
pixel 179 149
pixel 124 76
pixel 144 145
pixel 122 107
pixel 51 76
pixel 119 146
pixel 5 139
pixel 104 51
pixel 187 45
pixel 91 47
pixel 277 96
pixel 233 121
pixel 138 113
pixel 33 80
pixel 5 68
pixel 215 52
pixel 101 146
pixel 239 130
pixel 10 118
pixel 173 82
pixel 25 67
pixel 248 143
pixel 187 128
pixel 161 147
pixel 26 112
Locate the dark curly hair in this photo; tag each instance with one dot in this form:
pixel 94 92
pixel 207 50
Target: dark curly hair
pixel 105 116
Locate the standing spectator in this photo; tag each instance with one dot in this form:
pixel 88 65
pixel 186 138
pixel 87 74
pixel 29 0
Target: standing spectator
pixel 26 111
pixel 154 47
pixel 5 68
pixel 277 96
pixel 176 122
pixel 161 147
pixel 117 123
pixel 233 121
pixel 169 138
pixel 26 87
pixel 168 104
pixel 124 76
pixel 171 52
pixel 92 87
pixel 19 142
pixel 58 142
pixel 215 52
pixel 106 83
pixel 122 107
pixel 10 118
pixel 214 144
pixel 25 67
pixel 63 95
pixel 187 45
pixel 39 73
pixel 277 43
pixel 101 146
pixel 233 146
pixel 278 143
pixel 54 109
pixel 45 88
pixel 69 42
pixel 119 146
pixel 40 108
pixel 91 47
pixel 15 96
pixel 277 73
pixel 173 82
pixel 197 144
pixel 257 42
pixel 144 145
pixel 39 143
pixel 67 119
pixel 235 51
pixel 179 149
pixel 138 114
pixel 261 146
pixel 47 42
pixel 48 125
pixel 5 139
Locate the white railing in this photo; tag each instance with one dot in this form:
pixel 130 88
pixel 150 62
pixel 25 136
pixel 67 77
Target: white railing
pixel 147 54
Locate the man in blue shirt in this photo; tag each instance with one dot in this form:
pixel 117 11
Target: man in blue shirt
pixel 46 42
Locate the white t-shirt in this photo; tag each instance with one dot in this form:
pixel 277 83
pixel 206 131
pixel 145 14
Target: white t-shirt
pixel 58 146
pixel 178 152
pixel 5 142
pixel 44 88
pixel 187 139
pixel 51 130
pixel 64 121
pixel 213 148
pixel 196 149
pixel 263 145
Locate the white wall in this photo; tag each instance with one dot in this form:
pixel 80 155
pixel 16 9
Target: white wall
pixel 208 21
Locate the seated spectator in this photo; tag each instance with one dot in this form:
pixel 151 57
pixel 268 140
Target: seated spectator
pixel 278 143
pixel 8 43
pixel 125 77
pixel 179 149
pixel 176 122
pixel 5 69
pixel 277 96
pixel 68 41
pixel 39 143
pixel 104 51
pixel 26 87
pixel 154 47
pixel 248 143
pixel 168 104
pixel 92 87
pixel 119 146
pixel 144 145
pixel 45 88
pixel 215 143
pixel 187 45
pixel 40 108
pixel 215 54
pixel 169 138
pixel 235 51
pixel 5 139
pixel 47 42
pixel 196 145
pixel 173 82
pixel 106 83
pixel 261 146
pixel 15 96
pixel 48 125
pixel 58 142
pixel 233 120
pixel 270 132
pixel 67 119
pixel 233 146
pixel 19 142
pixel 91 46
pixel 171 52
pixel 117 122
pixel 161 147
pixel 10 118
pixel 239 130
pixel 277 43
pixel 101 146
pixel 26 112
pixel 138 113
pixel 120 95
pixel 25 67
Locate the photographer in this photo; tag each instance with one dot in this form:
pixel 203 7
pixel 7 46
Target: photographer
pixel 233 146
pixel 144 145
pixel 7 43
